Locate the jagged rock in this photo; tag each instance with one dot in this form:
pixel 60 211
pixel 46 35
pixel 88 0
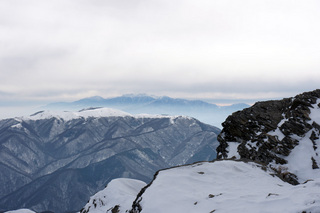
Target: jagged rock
pixel 314 164
pixel 268 131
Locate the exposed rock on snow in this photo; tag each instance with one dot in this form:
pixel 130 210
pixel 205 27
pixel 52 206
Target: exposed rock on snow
pixel 283 134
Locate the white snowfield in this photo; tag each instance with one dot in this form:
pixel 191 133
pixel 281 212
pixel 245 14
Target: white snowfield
pixel 227 186
pixel 90 112
pixel 120 192
pixel 66 115
pixel 21 211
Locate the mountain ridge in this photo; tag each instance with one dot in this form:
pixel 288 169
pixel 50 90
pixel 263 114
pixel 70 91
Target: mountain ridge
pixel 268 162
pixel 136 104
pixel 88 149
pixel 265 165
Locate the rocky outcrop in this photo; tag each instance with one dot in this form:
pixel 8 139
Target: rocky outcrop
pixel 268 132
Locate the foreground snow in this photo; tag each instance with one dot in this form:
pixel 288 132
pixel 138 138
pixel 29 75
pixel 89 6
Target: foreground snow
pixel 227 186
pixel 119 194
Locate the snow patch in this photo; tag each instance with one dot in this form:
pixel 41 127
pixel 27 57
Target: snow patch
pixel 283 120
pixel 91 112
pixel 119 192
pixel 315 112
pixel 18 126
pixel 251 145
pixel 300 162
pixel 21 211
pixel 278 133
pixel 172 117
pixel 233 150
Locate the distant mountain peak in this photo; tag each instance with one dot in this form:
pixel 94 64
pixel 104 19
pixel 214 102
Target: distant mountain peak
pixel 93 98
pixel 96 98
pixel 150 104
pixel 132 95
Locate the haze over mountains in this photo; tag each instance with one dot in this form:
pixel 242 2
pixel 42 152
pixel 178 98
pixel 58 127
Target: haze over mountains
pixel 206 112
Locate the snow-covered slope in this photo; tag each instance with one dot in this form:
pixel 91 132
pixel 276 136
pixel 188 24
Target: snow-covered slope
pixel 118 197
pixel 57 160
pixel 226 186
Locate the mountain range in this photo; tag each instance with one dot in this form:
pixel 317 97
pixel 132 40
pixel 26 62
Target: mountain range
pixel 54 161
pixel 268 161
pixel 136 104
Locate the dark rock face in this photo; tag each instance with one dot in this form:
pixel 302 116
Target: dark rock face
pixel 55 164
pixel 253 129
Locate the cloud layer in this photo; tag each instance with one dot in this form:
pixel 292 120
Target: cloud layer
pixel 65 50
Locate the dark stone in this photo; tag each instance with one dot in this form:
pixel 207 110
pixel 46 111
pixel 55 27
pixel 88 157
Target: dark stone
pixel 314 137
pixel 255 124
pixel 314 164
pixel 115 209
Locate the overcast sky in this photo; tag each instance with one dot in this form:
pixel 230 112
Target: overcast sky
pixel 64 50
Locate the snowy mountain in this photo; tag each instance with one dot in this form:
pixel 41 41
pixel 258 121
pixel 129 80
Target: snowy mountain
pixel 269 162
pixel 283 134
pixel 135 104
pixel 56 160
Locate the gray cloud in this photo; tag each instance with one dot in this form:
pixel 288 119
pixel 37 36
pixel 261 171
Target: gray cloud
pixel 65 50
